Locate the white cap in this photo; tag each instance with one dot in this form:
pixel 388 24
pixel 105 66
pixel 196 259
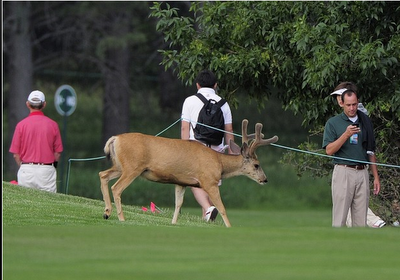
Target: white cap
pixel 339 91
pixel 36 97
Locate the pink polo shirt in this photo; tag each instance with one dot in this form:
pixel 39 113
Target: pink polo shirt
pixel 36 139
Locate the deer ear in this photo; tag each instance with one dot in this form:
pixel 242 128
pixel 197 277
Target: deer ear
pixel 234 147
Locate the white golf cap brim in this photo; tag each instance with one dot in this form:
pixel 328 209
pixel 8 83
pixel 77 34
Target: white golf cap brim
pixel 339 91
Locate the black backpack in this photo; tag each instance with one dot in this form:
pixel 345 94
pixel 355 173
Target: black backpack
pixel 210 116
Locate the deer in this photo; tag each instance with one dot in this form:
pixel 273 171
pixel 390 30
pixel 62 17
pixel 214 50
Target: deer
pixel 185 163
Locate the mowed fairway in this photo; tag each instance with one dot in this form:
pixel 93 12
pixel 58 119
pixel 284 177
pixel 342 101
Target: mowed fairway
pixel 55 236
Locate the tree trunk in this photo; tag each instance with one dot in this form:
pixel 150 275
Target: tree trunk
pixel 116 89
pixel 173 92
pixel 20 70
pixel 116 96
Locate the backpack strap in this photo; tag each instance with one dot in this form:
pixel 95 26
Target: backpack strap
pixel 221 102
pixel 202 98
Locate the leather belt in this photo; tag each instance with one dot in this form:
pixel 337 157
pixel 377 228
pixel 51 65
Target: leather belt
pixel 358 167
pixel 36 163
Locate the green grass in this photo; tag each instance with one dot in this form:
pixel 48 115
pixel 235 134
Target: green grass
pixel 56 236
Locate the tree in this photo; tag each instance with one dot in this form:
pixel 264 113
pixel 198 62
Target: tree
pixel 113 35
pixel 103 38
pixel 20 64
pixel 76 37
pixel 301 50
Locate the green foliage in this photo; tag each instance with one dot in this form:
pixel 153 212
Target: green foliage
pixel 301 51
pixel 312 160
pixel 302 48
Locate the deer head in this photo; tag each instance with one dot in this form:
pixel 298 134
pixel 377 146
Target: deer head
pixel 250 142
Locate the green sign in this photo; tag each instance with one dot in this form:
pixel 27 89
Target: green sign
pixel 65 100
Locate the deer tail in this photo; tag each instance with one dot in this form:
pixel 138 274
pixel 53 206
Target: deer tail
pixel 109 148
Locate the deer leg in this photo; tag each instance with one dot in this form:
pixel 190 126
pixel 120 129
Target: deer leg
pixel 215 197
pixel 117 189
pixel 105 177
pixel 179 195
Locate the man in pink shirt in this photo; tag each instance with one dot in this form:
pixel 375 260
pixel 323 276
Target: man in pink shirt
pixel 37 146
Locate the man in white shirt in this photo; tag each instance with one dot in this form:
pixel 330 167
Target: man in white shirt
pixel 206 83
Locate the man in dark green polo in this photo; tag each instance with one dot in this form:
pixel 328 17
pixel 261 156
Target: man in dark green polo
pixel 347 138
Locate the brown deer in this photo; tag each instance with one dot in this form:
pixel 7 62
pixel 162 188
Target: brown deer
pixel 180 162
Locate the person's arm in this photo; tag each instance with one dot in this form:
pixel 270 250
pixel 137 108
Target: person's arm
pixel 333 147
pixel 57 156
pixel 374 170
pixel 185 130
pixel 228 135
pixel 17 159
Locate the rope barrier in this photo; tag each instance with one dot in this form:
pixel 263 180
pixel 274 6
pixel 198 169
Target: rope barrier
pixel 237 135
pixel 178 120
pixel 298 150
pixel 334 157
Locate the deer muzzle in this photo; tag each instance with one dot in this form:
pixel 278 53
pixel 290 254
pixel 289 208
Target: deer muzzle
pixel 262 182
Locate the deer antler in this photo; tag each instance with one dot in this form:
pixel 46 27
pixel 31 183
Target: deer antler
pixel 259 141
pixel 246 137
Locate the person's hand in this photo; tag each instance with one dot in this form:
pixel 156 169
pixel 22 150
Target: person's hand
pixel 377 186
pixel 352 129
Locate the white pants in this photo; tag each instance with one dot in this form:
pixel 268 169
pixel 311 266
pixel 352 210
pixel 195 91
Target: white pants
pixel 42 177
pixel 371 218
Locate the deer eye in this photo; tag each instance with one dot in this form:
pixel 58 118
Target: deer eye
pixel 256 166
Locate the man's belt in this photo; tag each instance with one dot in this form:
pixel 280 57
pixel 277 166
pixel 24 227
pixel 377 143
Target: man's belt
pixel 358 166
pixel 36 163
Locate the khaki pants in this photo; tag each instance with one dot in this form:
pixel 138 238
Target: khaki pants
pixel 42 177
pixel 350 191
